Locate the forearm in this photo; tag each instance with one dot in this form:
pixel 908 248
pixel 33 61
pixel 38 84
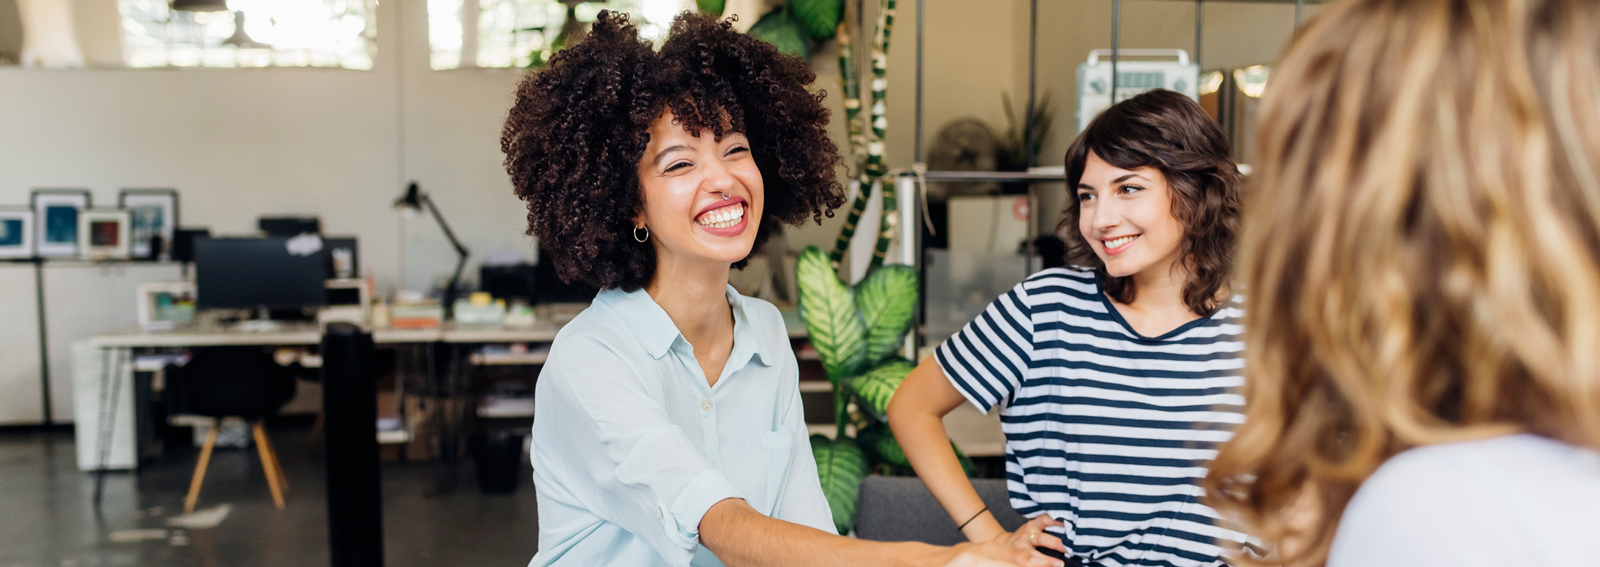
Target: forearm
pixel 916 415
pixel 927 446
pixel 742 537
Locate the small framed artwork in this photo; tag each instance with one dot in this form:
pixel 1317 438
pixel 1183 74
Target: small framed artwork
pixel 55 220
pixel 154 214
pixel 103 234
pixel 16 232
pixel 165 305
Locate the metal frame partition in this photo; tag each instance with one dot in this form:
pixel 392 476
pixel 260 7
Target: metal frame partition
pixel 913 252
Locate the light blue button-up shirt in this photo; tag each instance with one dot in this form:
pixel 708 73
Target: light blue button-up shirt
pixel 631 447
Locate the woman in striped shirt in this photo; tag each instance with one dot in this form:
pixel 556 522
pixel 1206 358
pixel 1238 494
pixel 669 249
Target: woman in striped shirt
pixel 1117 378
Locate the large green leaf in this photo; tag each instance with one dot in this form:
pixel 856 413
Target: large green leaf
pixel 840 466
pixel 879 443
pixel 713 7
pixel 888 301
pixel 828 307
pixel 820 17
pixel 780 28
pixel 876 387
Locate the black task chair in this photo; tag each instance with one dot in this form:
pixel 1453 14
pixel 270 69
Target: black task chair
pixel 243 382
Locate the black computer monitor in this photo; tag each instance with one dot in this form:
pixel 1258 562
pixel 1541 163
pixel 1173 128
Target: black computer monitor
pixel 516 281
pixel 245 273
pixel 288 226
pixel 551 289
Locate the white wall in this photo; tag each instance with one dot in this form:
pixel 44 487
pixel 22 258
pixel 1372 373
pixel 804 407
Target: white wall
pixel 241 143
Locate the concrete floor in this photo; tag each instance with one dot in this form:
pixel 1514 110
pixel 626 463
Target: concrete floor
pixel 47 516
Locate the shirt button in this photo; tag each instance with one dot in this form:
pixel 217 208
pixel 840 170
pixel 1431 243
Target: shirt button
pixel 658 513
pixel 705 405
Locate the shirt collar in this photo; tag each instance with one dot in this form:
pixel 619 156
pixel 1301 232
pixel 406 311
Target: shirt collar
pixel 655 329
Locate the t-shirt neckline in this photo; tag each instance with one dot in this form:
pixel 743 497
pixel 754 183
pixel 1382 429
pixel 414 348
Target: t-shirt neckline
pixel 1100 292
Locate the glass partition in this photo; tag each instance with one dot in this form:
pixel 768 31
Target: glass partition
pixel 119 34
pixel 464 34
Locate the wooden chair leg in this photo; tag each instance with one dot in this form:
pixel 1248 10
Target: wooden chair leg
pixel 266 463
pixel 277 467
pixel 200 469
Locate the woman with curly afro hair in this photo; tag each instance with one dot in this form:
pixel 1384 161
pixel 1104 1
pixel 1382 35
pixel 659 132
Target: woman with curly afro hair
pixel 668 426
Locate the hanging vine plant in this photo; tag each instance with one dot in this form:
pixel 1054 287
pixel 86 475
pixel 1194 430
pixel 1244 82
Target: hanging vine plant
pixel 857 330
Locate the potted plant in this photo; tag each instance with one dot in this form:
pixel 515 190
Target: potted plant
pixel 858 332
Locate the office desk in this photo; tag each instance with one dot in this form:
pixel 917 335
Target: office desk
pixel 102 370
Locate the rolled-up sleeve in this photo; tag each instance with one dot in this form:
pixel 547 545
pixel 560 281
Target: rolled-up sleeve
pixel 655 482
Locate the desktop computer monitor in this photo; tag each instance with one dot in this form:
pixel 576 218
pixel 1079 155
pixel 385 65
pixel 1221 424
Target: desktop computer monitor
pixel 245 273
pixel 288 226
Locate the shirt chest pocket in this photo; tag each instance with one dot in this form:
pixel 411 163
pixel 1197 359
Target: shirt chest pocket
pixel 777 454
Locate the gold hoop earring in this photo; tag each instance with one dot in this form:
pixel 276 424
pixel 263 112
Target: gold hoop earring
pixel 636 237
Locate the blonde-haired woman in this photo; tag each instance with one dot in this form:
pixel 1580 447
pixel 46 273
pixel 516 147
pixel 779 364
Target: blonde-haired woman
pixel 1421 262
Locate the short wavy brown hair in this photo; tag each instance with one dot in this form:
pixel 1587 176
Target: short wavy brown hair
pixel 575 135
pixel 1170 132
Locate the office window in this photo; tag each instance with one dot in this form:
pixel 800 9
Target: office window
pixel 249 33
pixel 523 33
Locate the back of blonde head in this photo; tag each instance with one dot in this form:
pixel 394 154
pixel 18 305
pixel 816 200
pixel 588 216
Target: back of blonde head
pixel 1420 251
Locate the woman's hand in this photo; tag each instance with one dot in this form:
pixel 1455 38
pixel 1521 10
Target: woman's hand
pixel 1015 548
pixel 970 559
pixel 1001 551
pixel 1032 535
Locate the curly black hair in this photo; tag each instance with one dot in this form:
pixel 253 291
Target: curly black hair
pixel 578 129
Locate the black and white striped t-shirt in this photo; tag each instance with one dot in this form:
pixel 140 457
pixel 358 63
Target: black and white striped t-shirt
pixel 1106 430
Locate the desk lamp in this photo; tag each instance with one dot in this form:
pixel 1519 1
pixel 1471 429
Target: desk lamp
pixel 415 200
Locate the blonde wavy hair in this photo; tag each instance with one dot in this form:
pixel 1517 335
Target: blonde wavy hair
pixel 1420 252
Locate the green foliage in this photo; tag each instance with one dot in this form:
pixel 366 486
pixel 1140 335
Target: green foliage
pixel 874 388
pixel 780 28
pixel 713 7
pixel 888 301
pixel 840 466
pixel 1011 150
pixel 855 331
pixel 828 307
pixel 878 441
pixel 820 17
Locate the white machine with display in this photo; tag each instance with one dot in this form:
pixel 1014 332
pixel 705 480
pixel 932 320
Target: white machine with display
pixel 1138 70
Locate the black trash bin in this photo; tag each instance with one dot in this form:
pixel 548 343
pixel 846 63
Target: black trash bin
pixel 499 460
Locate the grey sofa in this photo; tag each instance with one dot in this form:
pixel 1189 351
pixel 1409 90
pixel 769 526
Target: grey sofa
pixel 894 508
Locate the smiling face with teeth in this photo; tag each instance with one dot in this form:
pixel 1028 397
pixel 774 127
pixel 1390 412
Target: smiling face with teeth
pixel 1126 216
pixel 702 195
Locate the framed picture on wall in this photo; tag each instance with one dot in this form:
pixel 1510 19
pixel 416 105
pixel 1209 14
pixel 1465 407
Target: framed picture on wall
pixel 103 234
pixel 16 232
pixel 154 214
pixel 55 220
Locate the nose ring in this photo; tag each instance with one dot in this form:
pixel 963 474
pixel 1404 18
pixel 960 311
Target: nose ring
pixel 724 195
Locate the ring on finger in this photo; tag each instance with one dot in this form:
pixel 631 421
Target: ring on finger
pixel 1031 536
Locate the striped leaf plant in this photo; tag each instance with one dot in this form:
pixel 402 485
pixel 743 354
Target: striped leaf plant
pixel 857 331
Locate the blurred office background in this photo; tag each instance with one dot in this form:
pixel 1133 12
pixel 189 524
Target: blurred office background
pixel 287 111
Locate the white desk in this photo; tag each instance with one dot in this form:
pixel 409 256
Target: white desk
pixel 976 434
pixel 94 358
